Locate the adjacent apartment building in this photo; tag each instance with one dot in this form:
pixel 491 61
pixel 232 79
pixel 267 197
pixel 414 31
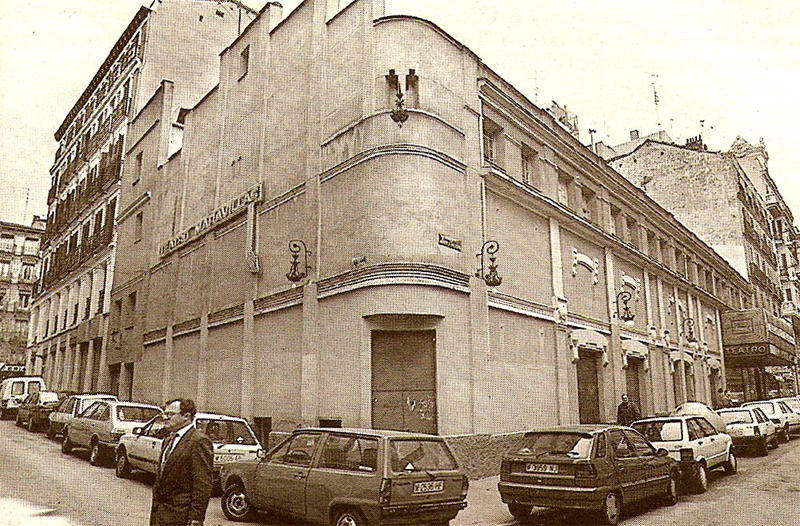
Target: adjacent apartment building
pixel 732 203
pixel 176 39
pixel 19 271
pixel 362 224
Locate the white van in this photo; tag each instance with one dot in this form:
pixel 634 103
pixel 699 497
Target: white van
pixel 13 390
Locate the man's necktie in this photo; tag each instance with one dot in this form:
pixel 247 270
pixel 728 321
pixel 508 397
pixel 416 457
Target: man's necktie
pixel 168 448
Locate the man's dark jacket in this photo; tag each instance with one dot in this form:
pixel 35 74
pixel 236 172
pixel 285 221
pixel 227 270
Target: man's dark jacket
pixel 183 485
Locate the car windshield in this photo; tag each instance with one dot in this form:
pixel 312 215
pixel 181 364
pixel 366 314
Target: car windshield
pixel 793 404
pixel 767 407
pixel 226 431
pixel 128 413
pixel 660 430
pixel 573 445
pixel 420 455
pixel 736 417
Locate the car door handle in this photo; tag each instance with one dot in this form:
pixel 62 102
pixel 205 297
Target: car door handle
pixel 299 475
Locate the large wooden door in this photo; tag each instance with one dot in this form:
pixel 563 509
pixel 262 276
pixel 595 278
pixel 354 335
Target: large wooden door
pixel 633 381
pixel 588 389
pixel 404 381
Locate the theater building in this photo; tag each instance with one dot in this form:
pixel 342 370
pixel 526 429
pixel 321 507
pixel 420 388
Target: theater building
pixel 363 224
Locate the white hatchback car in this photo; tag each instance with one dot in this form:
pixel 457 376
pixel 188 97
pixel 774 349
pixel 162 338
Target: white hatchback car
pixel 749 427
pixel 794 419
pixel 786 421
pixel 233 439
pixel 692 441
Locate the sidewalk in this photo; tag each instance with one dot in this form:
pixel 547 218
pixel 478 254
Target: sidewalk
pixel 485 507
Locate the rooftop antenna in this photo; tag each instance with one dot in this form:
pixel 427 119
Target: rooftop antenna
pixel 536 87
pixel 653 77
pixel 592 131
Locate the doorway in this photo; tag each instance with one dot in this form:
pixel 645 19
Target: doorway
pixel 404 380
pixel 633 381
pixel 588 388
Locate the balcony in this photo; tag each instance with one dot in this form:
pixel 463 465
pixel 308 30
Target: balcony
pixel 790 310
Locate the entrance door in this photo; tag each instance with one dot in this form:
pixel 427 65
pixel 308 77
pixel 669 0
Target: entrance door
pixel 633 381
pixel 588 394
pixel 689 372
pixel 404 381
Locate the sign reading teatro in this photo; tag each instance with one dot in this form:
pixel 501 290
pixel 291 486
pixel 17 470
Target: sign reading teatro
pixel 215 218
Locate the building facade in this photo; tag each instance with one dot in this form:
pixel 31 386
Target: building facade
pixel 178 39
pixel 19 271
pixel 363 224
pixel 730 201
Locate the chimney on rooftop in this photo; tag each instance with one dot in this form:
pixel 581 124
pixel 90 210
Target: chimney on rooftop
pixel 634 135
pixel 275 14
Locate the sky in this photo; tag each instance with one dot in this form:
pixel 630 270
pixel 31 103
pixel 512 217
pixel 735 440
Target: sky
pixel 719 69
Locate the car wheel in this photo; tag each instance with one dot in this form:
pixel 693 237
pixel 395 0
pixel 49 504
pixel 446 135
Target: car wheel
pixel 731 466
pixel 519 511
pixel 51 432
pixel 671 496
pixel 66 445
pixel 350 518
pixel 19 421
pixel 612 508
pixel 235 504
pixel 95 454
pixel 701 479
pixel 122 466
pixel 763 448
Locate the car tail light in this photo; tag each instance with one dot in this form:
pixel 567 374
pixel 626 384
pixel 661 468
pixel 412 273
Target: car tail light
pixel 585 471
pixel 464 486
pixel 385 491
pixel 687 454
pixel 756 431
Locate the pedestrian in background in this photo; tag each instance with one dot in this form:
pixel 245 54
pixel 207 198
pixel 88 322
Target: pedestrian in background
pixel 184 479
pixel 627 412
pixel 723 399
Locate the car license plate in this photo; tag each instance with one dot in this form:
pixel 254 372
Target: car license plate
pixel 541 468
pixel 224 458
pixel 430 486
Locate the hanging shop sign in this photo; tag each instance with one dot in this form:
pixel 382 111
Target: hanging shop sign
pixel 212 220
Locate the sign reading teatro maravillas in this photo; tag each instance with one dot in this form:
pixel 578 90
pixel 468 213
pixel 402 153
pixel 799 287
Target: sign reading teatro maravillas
pixel 215 218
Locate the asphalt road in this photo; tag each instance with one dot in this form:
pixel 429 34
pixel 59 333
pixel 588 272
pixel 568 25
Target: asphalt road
pixel 40 486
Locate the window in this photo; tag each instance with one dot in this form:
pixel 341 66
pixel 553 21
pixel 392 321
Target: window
pixel 563 188
pixel 491 135
pixel 28 272
pixel 24 300
pixel 641 446
pixel 7 243
pixel 350 453
pixel 298 450
pixel 137 227
pixel 530 166
pixel 622 448
pixel 788 294
pixel 131 308
pixel 244 62
pixel 5 269
pixel 137 168
pixel 30 246
pixel 588 205
pixel 633 232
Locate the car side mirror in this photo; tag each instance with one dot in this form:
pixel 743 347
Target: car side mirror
pixel 261 454
pixel 662 452
pixel 137 430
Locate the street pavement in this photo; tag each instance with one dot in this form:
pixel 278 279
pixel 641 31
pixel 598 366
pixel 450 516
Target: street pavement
pixel 39 486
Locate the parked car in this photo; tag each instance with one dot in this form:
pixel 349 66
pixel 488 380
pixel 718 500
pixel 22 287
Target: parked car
pixel 749 427
pixel 349 477
pixel 34 411
pixel 101 425
pixel 792 401
pixel 785 420
pixel 700 409
pixel 14 390
pixel 69 409
pixel 233 440
pixel 596 467
pixel 694 443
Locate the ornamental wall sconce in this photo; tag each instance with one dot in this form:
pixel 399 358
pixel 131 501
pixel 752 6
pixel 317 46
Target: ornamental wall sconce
pixel 296 247
pixel 688 330
pixel 399 114
pixel 491 278
pixel 624 311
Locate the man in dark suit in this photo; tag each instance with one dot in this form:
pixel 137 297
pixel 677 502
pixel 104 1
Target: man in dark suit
pixel 183 483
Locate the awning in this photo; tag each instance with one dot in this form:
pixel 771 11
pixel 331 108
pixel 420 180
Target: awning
pixel 635 349
pixel 588 339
